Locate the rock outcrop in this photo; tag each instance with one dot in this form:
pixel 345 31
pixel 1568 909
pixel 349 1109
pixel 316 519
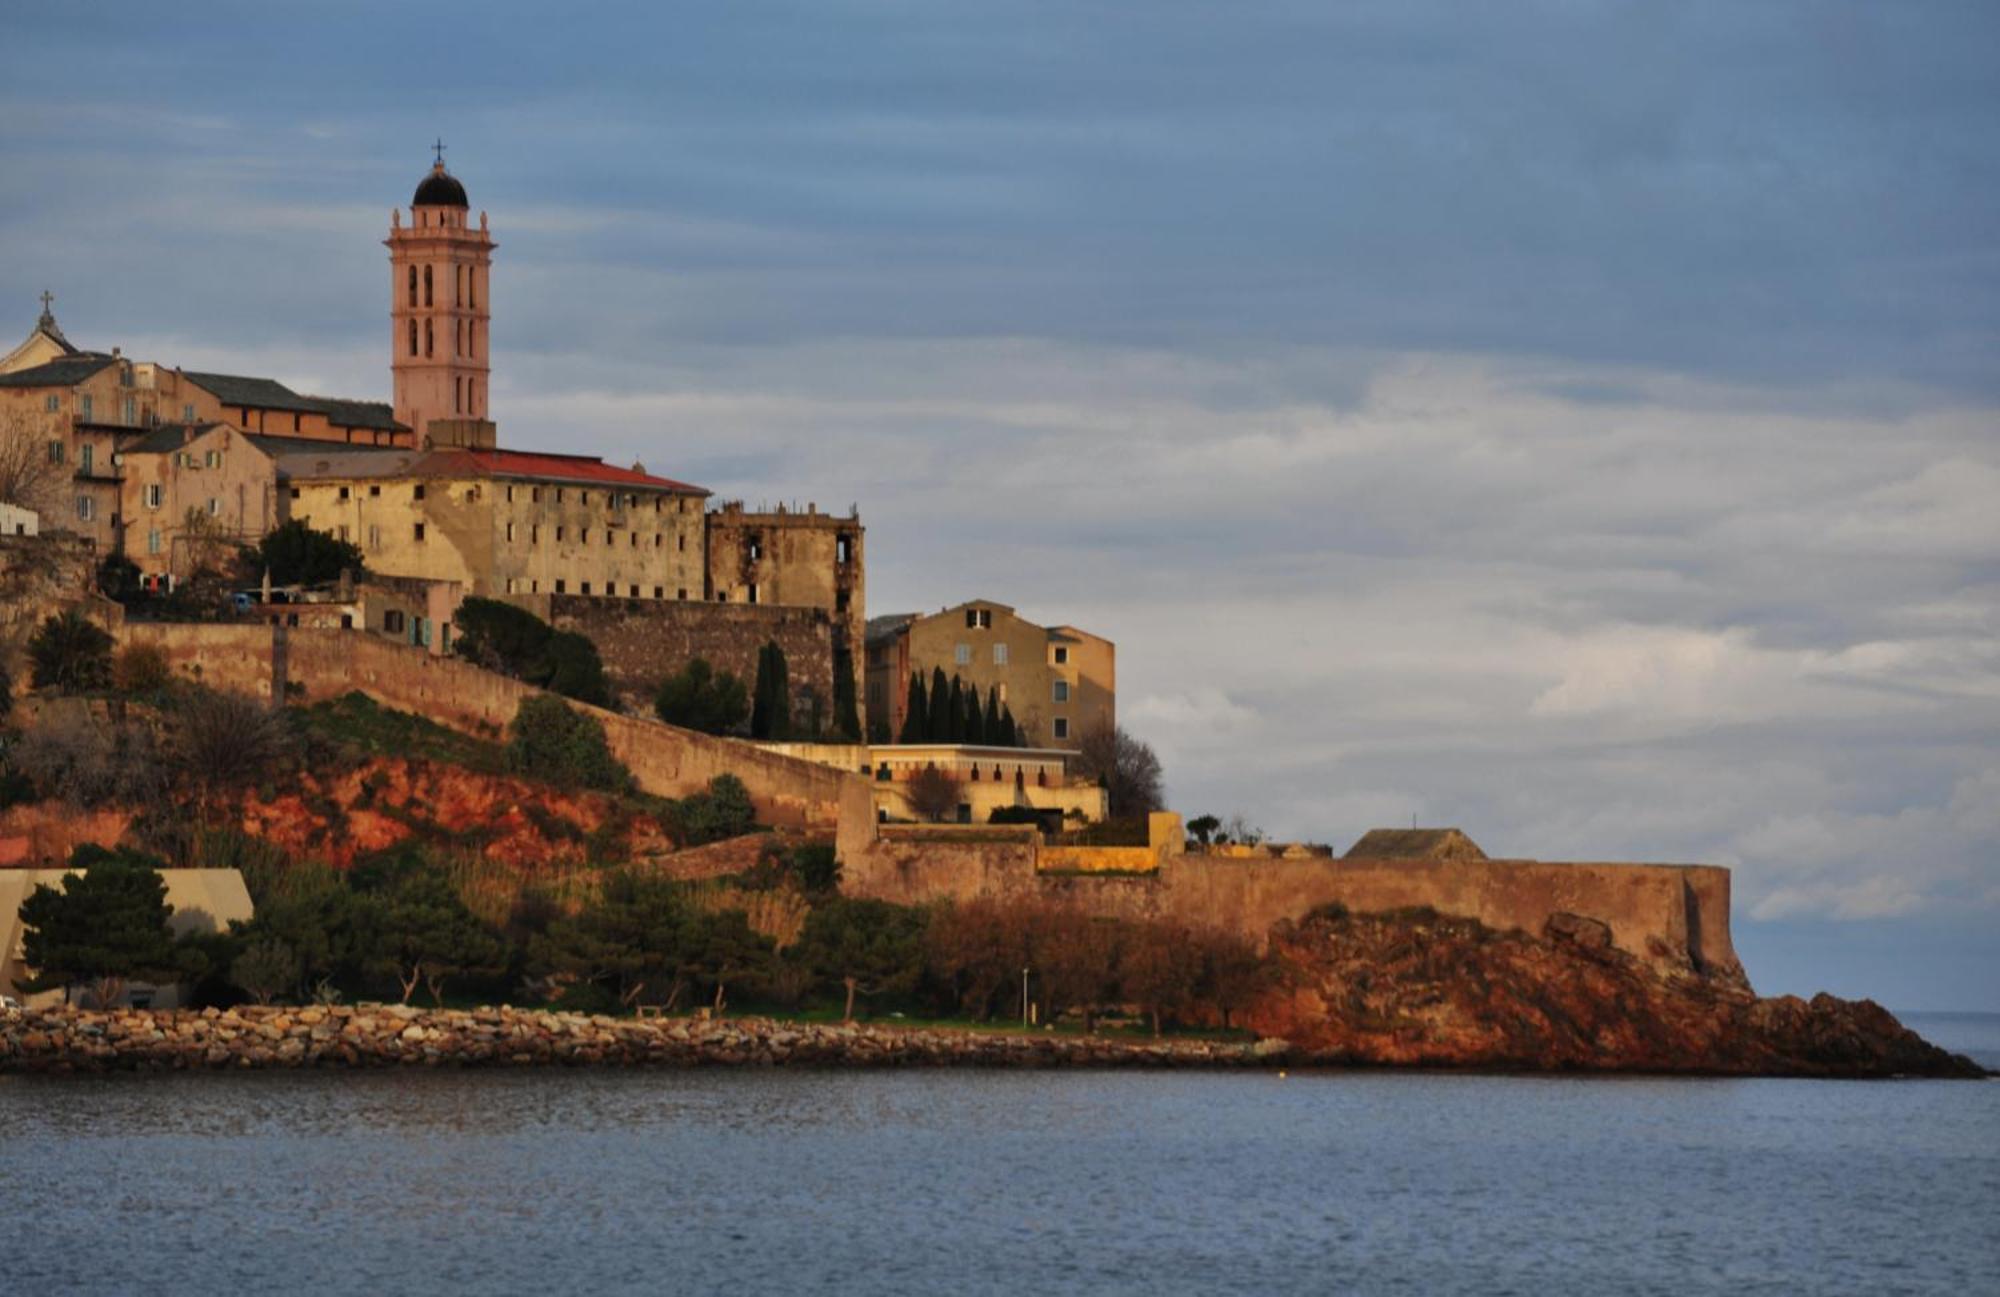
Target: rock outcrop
pixel 1415 988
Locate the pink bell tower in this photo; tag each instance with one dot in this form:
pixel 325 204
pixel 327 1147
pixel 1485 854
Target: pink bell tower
pixel 439 313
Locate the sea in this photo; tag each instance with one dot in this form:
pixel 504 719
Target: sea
pixel 969 1182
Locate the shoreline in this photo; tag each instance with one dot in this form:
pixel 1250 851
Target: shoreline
pixel 74 1042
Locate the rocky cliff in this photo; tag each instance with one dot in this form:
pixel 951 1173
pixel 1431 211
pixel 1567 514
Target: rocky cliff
pixel 1416 988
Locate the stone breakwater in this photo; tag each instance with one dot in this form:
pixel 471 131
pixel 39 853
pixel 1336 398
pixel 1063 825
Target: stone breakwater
pixel 366 1036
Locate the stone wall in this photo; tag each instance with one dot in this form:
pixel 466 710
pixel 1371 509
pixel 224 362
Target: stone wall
pixel 1674 916
pixel 643 642
pixel 41 576
pixel 666 761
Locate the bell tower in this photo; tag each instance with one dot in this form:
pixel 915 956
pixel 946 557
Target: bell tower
pixel 439 312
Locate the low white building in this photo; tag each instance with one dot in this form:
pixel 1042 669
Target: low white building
pixel 16 521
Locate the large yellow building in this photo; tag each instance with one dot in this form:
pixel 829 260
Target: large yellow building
pixel 1060 682
pixel 506 522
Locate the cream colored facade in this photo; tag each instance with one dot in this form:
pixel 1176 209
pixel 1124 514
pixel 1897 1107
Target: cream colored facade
pixel 987 779
pixel 1059 682
pixel 203 900
pixel 508 522
pixel 191 495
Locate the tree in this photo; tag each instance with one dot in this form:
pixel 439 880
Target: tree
pixel 1233 974
pixel 119 578
pixel 70 653
pixel 697 697
pixel 723 810
pixel 29 477
pixel 771 700
pixel 846 709
pixel 295 554
pixel 978 949
pixel 1126 767
pixel 634 936
pixel 954 713
pixel 726 949
pixel 1202 828
pixel 937 729
pixel 418 929
pixel 106 926
pixel 933 793
pixel 515 642
pixel 220 742
pixel 1077 956
pixel 72 756
pixel 974 724
pixel 318 918
pixel 1160 967
pixel 867 947
pixel 916 712
pixel 140 669
pixel 989 723
pixel 1009 736
pixel 265 969
pixel 548 739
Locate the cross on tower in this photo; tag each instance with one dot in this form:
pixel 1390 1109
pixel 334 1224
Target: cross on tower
pixel 439 147
pixel 48 300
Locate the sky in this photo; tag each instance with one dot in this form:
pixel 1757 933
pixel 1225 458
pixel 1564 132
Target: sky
pixel 1572 422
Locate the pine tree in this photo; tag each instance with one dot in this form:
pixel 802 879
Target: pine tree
pixel 846 711
pixel 781 693
pixel 955 712
pixel 975 719
pixel 761 696
pixel 916 712
pixel 1010 736
pixel 990 722
pixel 938 729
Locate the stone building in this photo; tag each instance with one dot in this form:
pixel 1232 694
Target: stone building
pixel 440 311
pixel 794 560
pixel 506 522
pixel 1060 682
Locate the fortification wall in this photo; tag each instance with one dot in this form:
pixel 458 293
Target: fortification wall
pixel 643 641
pixel 666 761
pixel 41 576
pixel 1673 916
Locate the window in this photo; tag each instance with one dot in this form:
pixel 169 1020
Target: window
pixel 962 655
pixel 187 412
pixel 52 403
pixel 979 619
pixel 586 587
pixel 559 495
pixel 535 495
pixel 374 536
pixel 559 535
pixel 413 290
pixel 430 338
pixel 753 592
pixel 413 325
pixel 1062 656
pixel 510 533
pixel 131 409
pixel 214 507
pixel 754 548
pixel 1062 691
pixel 343 493
pixel 153 541
pixel 583 497
pixel 55 452
pixel 999 655
pixel 427 285
pixel 1062 727
pixel 510 495
pixel 86 456
pixel 341 531
pixel 659 592
pixel 295 493
pixel 680 542
pixel 392 620
pixel 213 459
pixel 154 492
pixel 583 535
pixel 681 594
pixel 419 531
pixel 85 507
pixel 86 407
pixel 634 589
pixel 374 490
pixel 534 533
pixel 417 491
pixel 560 588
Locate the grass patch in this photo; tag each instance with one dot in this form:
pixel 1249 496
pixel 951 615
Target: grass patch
pixel 356 722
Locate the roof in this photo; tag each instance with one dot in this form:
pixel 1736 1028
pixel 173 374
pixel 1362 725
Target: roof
pixel 887 625
pixel 168 438
pixel 67 372
pixel 1415 844
pixel 439 189
pixel 270 394
pixel 302 460
pixel 538 466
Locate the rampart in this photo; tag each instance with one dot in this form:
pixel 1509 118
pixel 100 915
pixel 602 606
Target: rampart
pixel 1675 917
pixel 321 664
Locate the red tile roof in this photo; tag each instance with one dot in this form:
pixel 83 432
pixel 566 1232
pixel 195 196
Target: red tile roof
pixel 543 467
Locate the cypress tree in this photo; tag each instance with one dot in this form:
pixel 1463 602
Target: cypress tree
pixel 781 692
pixel 761 697
pixel 916 712
pixel 975 719
pixel 1009 735
pixel 938 728
pixel 955 712
pixel 846 713
pixel 990 722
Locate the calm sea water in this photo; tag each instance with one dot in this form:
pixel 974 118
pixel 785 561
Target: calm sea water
pixel 961 1182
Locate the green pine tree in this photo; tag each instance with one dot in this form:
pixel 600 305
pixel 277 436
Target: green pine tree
pixel 975 719
pixel 1010 736
pixel 938 729
pixel 916 712
pixel 105 926
pixel 989 724
pixel 846 710
pixel 955 713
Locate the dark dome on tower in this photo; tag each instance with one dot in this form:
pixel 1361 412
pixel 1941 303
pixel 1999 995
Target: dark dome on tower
pixel 439 189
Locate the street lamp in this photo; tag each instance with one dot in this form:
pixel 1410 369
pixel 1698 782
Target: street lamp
pixel 1024 999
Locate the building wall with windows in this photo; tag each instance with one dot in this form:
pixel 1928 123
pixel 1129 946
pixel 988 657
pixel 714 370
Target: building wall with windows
pixel 508 523
pixel 1059 682
pixel 189 495
pixel 794 560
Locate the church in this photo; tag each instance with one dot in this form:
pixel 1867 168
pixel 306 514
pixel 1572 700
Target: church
pixel 171 467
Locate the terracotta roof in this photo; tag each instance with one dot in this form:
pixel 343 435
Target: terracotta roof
pixel 1415 844
pixel 541 467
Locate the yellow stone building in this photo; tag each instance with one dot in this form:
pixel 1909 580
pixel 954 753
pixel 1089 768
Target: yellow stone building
pixel 1060 682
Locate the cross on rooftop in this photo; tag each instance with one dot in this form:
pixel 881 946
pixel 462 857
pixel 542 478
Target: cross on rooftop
pixel 439 146
pixel 48 300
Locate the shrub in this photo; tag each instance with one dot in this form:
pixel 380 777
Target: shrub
pixel 551 740
pixel 698 697
pixel 140 669
pixel 933 793
pixel 220 742
pixel 71 653
pixel 723 811
pixel 502 637
pixel 1014 815
pixel 295 554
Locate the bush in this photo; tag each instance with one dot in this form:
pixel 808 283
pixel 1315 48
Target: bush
pixel 140 669
pixel 548 739
pixel 933 793
pixel 220 742
pixel 71 653
pixel 295 554
pixel 723 811
pixel 699 697
pixel 1014 815
pixel 501 637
